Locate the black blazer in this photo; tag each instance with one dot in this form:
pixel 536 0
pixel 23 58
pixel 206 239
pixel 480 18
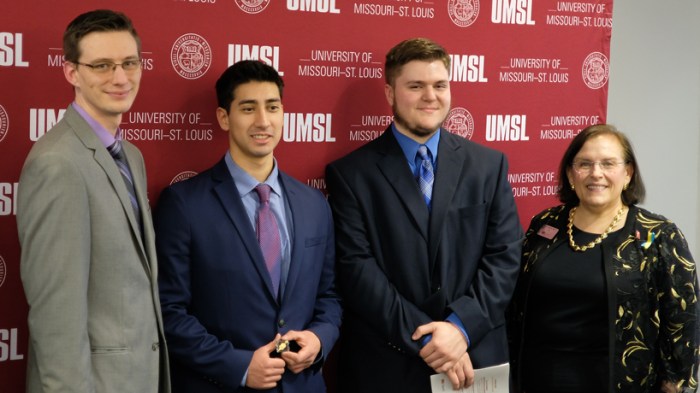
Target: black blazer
pixel 400 266
pixel 652 300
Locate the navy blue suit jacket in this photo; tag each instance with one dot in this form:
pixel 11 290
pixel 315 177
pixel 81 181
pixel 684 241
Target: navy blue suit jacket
pixel 400 266
pixel 216 294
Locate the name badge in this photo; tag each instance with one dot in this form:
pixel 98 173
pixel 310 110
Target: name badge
pixel 548 232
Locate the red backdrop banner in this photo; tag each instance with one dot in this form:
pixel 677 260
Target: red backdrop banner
pixel 526 75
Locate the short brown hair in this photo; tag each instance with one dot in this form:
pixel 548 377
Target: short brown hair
pixel 406 51
pixel 635 191
pixel 94 21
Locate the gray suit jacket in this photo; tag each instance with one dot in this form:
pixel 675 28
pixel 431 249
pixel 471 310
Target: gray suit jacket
pixel 88 274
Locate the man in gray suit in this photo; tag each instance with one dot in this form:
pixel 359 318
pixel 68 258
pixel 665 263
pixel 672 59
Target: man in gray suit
pixel 88 262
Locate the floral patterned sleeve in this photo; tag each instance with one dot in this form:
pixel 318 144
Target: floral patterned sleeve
pixel 678 310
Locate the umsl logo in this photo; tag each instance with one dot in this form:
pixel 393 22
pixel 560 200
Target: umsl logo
pixel 321 6
pixel 3 271
pixel 190 56
pixel 595 70
pixel 467 68
pixel 460 122
pixel 506 128
pixel 463 12
pixel 8 204
pixel 4 123
pixel 512 12
pixel 269 55
pixel 307 127
pixel 252 6
pixel 11 50
pixel 8 345
pixel 182 176
pixel 41 120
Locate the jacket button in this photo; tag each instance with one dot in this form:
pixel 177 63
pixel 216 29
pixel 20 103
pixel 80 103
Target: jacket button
pixel 155 346
pixel 281 323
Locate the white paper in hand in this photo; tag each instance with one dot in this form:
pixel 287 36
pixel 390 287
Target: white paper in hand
pixel 486 380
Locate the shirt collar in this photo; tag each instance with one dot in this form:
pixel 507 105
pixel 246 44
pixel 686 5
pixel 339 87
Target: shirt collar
pixel 410 147
pixel 103 135
pixel 246 183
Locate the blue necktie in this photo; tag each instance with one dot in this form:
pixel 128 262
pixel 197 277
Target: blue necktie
pixel 269 236
pixel 117 153
pixel 425 174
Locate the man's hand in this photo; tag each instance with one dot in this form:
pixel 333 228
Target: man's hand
pixel 462 374
pixel 310 347
pixel 446 347
pixel 264 371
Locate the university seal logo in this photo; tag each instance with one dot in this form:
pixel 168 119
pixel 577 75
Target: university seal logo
pixel 191 56
pixel 463 12
pixel 4 123
pixel 3 271
pixel 595 70
pixel 252 6
pixel 460 122
pixel 182 176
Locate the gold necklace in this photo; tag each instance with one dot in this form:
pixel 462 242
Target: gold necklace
pixel 570 225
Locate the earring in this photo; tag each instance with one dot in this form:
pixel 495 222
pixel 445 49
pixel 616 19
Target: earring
pixel 572 186
pixel 626 187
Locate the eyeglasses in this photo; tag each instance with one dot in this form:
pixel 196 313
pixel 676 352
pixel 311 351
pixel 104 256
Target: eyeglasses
pixel 107 67
pixel 588 166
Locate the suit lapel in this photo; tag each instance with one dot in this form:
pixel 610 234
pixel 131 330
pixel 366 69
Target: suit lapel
pixel 230 199
pixel 147 238
pixel 449 171
pixel 104 159
pixel 297 208
pixel 395 169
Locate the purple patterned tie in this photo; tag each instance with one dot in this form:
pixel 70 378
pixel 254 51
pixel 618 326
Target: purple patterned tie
pixel 115 149
pixel 269 235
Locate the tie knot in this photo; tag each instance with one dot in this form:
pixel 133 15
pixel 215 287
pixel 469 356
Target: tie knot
pixel 115 149
pixel 423 152
pixel 263 191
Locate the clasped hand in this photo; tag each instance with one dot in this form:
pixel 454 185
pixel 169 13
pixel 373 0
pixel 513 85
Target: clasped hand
pixel 265 371
pixel 310 346
pixel 446 352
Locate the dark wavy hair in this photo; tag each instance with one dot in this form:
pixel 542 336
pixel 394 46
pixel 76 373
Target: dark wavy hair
pixel 95 21
pixel 243 72
pixel 635 191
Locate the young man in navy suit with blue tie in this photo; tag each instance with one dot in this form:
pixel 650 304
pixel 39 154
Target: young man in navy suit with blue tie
pixel 428 240
pixel 247 257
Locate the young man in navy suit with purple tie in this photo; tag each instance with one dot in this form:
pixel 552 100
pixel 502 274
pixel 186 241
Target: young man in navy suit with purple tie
pixel 247 257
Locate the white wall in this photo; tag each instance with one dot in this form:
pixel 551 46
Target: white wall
pixel 654 97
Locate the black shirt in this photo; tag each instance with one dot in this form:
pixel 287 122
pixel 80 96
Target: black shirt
pixel 566 328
